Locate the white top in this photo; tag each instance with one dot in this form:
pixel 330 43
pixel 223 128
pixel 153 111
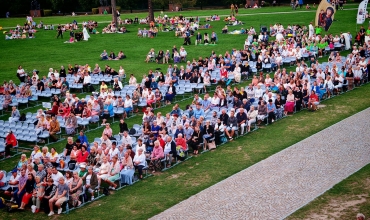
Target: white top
pixel 215 101
pixel 140 158
pixel 87 79
pixel 128 103
pixel 132 81
pixel 35 155
pixel 20 72
pixel 258 93
pixel 56 177
pixel 126 140
pixel 113 153
pixel 12 178
pixel 88 178
pixel 140 147
pixel 105 168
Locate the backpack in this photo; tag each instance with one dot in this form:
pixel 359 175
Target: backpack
pixel 2 202
pixel 132 131
pixel 72 165
pixel 180 152
pixel 106 191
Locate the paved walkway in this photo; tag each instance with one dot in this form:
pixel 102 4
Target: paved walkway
pixel 281 184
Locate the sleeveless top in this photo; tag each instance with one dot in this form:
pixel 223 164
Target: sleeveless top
pixel 75 183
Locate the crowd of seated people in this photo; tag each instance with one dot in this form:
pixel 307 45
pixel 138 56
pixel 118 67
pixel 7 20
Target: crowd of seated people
pixel 152 32
pixel 112 55
pixel 19 33
pixel 213 18
pixel 164 139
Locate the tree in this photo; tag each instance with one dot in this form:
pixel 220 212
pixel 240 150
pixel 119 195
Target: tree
pixel 87 5
pixel 151 12
pixel 114 12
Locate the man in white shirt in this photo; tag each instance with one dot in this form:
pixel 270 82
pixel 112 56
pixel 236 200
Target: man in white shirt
pixel 310 30
pixel 126 139
pixel 56 175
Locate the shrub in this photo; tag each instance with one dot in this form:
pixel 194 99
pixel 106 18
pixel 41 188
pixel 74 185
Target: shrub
pixel 95 11
pixel 47 12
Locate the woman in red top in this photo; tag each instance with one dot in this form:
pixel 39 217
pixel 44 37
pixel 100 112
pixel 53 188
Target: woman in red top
pixel 180 141
pixel 86 113
pixel 66 110
pixel 82 155
pixel 53 110
pixel 313 101
pixel 10 141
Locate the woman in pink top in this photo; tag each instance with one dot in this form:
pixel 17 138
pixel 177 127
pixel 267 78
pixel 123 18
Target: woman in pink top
pixel 107 130
pixel 211 65
pixel 156 157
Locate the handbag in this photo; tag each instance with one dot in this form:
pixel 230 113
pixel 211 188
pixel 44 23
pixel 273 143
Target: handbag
pixel 211 145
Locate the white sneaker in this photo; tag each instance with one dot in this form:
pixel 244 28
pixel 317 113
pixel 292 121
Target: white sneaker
pixel 51 213
pixel 59 211
pixel 12 199
pixel 92 198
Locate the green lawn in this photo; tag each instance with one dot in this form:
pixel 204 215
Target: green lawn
pixel 155 194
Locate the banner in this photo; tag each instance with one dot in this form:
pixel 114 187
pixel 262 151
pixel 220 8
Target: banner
pixel 361 14
pixel 324 15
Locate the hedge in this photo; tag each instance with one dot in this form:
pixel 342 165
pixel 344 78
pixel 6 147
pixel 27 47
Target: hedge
pixel 95 11
pixel 47 12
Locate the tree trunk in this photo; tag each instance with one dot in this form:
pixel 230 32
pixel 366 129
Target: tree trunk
pixel 114 12
pixel 150 8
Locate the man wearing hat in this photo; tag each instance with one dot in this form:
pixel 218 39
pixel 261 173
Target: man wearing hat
pixel 271 111
pixel 83 170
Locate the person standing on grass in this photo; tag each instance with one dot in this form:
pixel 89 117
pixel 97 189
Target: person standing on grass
pixel 60 31
pixel 232 10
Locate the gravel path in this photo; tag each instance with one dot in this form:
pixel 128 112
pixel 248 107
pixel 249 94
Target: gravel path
pixel 281 184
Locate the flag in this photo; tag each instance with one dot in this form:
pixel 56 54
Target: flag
pixel 361 13
pixel 324 15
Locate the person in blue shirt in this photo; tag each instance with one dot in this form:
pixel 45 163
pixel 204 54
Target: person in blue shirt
pixel 179 130
pixel 82 137
pixel 104 55
pixel 176 110
pixel 107 111
pixel 198 111
pixel 175 79
pixel 206 104
pixel 155 129
pixel 271 111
